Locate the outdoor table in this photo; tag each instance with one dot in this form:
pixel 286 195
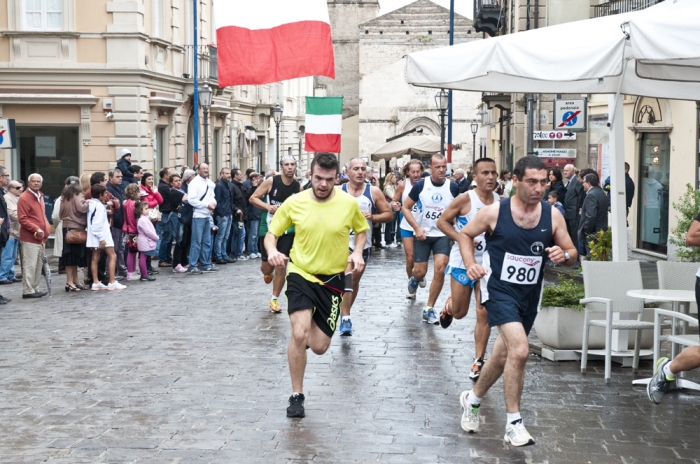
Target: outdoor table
pixel 676 297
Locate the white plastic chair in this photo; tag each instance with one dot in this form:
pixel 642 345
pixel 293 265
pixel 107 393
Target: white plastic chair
pixel 681 339
pixel 677 276
pixel 606 285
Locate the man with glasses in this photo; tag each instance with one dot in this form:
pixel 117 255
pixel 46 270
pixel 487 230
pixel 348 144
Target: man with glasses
pixel 9 253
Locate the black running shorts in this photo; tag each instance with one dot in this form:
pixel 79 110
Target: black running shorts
pixel 422 248
pixel 503 309
pixel 284 245
pixel 322 300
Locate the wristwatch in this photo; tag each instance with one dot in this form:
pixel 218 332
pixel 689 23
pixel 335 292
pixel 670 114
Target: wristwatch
pixel 566 255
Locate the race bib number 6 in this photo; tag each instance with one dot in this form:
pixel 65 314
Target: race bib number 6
pixel 521 270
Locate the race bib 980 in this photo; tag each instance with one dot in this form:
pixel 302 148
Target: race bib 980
pixel 521 270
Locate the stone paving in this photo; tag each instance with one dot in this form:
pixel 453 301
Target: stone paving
pixel 193 369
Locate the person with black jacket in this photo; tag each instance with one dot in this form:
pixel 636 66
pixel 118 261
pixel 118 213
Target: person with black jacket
pixel 223 216
pixel 115 187
pixel 4 216
pixel 239 206
pixel 124 165
pixel 165 255
pixel 253 216
pixel 182 233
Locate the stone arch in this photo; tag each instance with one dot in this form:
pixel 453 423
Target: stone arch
pixel 429 126
pixel 650 112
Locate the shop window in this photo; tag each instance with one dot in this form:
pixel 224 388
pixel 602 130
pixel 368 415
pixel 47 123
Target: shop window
pixel 652 188
pixel 53 152
pixel 43 15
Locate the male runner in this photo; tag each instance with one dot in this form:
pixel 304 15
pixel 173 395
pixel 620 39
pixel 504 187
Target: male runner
pixel 412 174
pixel 434 194
pixel 323 218
pixel 278 189
pixel 370 199
pixel 522 232
pixel 460 212
pixel 665 370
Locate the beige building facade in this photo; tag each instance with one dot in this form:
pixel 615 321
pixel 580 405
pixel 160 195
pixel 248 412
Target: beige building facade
pixel 84 79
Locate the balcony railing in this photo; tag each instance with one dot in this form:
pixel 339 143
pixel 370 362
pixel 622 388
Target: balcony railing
pixel 487 16
pixel 622 6
pixel 208 64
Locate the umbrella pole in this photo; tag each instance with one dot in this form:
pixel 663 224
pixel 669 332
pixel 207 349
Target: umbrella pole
pixel 618 202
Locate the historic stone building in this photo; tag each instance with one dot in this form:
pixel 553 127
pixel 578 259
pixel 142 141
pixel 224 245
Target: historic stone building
pixel 388 104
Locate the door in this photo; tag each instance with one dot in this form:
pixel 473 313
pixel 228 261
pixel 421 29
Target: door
pixel 652 192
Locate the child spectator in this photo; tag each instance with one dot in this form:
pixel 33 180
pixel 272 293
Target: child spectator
pixel 147 239
pixel 553 199
pixel 130 228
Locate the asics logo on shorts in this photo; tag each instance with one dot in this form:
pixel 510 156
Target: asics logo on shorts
pixel 333 319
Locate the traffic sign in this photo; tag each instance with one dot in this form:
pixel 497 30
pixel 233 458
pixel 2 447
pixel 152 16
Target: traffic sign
pixel 553 135
pixel 571 115
pixel 555 152
pixel 7 133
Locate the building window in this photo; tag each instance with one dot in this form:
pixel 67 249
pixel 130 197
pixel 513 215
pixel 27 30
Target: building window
pixel 43 15
pixel 160 149
pixel 652 189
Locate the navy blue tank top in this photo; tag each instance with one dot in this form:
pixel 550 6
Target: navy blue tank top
pixel 515 259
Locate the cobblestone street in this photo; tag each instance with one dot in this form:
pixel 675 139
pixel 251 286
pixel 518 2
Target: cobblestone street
pixel 193 369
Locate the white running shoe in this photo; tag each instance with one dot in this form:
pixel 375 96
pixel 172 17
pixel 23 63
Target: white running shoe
pixel 115 286
pixel 470 414
pixel 517 435
pixel 179 269
pixel 133 276
pixel 99 286
pixel 422 283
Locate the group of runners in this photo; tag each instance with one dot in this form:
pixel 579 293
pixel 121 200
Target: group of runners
pixel 319 238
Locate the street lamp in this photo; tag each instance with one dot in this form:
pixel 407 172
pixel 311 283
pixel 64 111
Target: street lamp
pixel 442 101
pixel 475 129
pixel 277 116
pixel 205 94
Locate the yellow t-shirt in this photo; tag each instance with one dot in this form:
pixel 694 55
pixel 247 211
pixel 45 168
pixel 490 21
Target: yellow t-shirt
pixel 322 232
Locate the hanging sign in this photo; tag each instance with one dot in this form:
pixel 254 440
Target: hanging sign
pixel 553 135
pixel 8 137
pixel 555 152
pixel 571 115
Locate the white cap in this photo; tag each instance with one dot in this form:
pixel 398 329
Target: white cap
pixel 125 151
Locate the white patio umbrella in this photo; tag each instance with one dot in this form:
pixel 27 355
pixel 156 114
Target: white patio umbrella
pixel 653 52
pixel 412 145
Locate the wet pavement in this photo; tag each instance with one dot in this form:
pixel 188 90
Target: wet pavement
pixel 193 369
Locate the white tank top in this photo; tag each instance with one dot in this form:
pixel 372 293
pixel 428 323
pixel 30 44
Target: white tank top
pixel 366 204
pixel 460 221
pixel 415 210
pixel 433 201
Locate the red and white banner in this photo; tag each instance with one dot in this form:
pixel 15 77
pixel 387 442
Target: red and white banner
pixel 272 40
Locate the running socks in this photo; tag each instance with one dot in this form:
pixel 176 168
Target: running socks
pixel 275 297
pixel 346 318
pixel 667 372
pixel 472 398
pixel 511 418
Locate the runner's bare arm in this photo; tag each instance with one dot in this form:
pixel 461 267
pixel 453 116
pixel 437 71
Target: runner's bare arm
pixel 385 214
pixel 262 190
pixel 484 221
pixel 562 241
pixel 355 260
pixel 406 210
pixel 692 238
pixel 274 257
pixel 396 201
pixel 446 221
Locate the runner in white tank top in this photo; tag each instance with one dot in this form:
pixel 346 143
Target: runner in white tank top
pixel 376 209
pixel 461 211
pixel 434 194
pixel 412 173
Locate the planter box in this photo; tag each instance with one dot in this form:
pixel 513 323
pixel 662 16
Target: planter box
pixel 562 329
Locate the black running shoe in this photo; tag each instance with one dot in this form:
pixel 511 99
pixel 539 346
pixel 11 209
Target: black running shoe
pixel 296 405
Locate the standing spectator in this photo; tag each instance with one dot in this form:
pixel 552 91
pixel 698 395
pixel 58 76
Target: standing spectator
pixel 147 239
pixel 572 199
pixel 240 204
pixel 124 166
pixel 556 183
pixel 114 187
pixel 377 226
pixel 9 252
pixel 223 216
pixel 165 253
pixel 629 188
pixel 460 180
pixel 137 172
pixel 99 238
pixel 132 194
pixel 468 175
pixel 73 216
pixel 253 216
pixel 200 194
pixel 594 212
pixel 150 195
pixel 100 178
pixel 389 191
pixel 5 219
pixel 33 234
pixel 307 179
pixel 181 232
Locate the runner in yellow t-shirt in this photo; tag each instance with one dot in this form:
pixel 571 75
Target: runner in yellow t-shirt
pixel 323 218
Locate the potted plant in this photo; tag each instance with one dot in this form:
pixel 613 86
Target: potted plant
pixel 559 323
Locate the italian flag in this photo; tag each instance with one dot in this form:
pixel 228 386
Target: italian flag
pixel 272 40
pixel 324 124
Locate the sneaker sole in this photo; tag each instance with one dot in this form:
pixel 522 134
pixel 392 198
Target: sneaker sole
pixel 422 284
pixel 346 334
pixel 474 376
pixel 411 296
pixel 297 415
pixel 507 440
pixel 462 399
pixel 659 365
